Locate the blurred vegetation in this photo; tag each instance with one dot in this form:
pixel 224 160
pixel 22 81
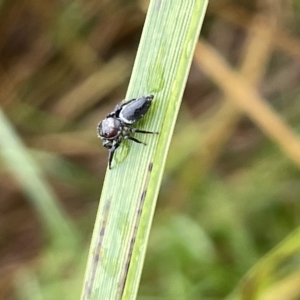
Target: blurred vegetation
pixel 231 189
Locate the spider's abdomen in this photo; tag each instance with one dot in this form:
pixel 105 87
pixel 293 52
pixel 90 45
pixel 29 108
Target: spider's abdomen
pixel 135 110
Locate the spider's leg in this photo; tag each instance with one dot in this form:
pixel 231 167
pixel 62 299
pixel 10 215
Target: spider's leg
pixel 112 152
pixel 142 131
pixel 134 139
pixel 110 157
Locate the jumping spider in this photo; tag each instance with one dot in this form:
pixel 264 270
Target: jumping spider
pixel 117 125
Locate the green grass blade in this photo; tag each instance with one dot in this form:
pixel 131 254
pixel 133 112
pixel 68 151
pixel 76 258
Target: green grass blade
pixel 264 278
pixel 130 189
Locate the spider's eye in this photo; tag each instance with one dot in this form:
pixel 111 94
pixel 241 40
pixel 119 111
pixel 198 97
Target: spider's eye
pixel 109 128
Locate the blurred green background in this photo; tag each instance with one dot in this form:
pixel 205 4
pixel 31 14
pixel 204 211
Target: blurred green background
pixel 229 195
